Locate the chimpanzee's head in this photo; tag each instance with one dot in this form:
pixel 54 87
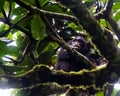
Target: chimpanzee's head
pixel 80 44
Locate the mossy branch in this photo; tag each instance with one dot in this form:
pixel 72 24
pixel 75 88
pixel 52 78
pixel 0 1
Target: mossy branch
pixel 42 74
pixel 45 89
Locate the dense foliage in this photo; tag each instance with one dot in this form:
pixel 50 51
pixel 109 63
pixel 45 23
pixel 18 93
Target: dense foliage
pixel 32 32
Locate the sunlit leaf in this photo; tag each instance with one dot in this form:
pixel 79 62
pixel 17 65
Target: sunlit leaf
pixel 101 93
pixel 3 29
pixel 19 13
pixel 114 92
pixel 116 6
pixel 103 22
pixel 74 26
pixel 117 16
pixel 38 28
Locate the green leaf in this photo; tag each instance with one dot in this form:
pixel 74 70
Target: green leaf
pixel 117 16
pixel 50 46
pixel 43 2
pixel 47 52
pixel 3 28
pixel 13 50
pixel 29 1
pixel 21 42
pixel 38 28
pixel 45 58
pixel 116 6
pixel 3 48
pixel 24 23
pixel 53 8
pixel 2 2
pixel 12 69
pixel 41 45
pixel 74 26
pixel 114 92
pixel 19 11
pixel 101 93
pixel 116 0
pixel 27 62
pixel 103 22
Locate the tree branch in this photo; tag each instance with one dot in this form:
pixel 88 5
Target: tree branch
pixel 35 10
pixel 52 88
pixel 44 74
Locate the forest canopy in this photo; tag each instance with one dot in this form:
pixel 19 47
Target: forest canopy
pixel 60 46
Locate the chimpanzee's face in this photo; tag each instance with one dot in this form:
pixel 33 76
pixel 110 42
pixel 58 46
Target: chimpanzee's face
pixel 78 44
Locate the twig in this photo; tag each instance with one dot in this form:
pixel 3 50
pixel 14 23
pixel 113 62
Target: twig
pixel 52 88
pixel 45 74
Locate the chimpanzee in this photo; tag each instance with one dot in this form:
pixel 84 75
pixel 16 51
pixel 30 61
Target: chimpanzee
pixel 68 61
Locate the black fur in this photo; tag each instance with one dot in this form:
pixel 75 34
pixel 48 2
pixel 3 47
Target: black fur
pixel 68 61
